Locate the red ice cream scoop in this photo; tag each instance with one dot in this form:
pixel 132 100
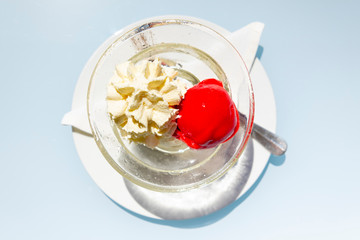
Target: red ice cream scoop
pixel 207 115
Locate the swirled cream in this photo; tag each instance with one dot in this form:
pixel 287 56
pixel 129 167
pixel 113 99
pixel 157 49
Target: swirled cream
pixel 141 100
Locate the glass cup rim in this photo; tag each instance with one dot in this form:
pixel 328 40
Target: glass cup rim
pixel 137 28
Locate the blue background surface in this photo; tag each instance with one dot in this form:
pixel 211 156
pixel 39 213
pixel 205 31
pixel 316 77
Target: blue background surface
pixel 311 54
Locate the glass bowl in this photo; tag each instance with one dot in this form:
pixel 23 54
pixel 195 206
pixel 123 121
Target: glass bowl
pixel 197 52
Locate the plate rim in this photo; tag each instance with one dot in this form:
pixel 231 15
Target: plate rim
pixel 122 196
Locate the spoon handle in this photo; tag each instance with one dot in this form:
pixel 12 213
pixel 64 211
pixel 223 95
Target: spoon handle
pixel 272 142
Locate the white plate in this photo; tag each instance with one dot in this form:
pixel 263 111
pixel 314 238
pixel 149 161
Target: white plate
pixel 153 204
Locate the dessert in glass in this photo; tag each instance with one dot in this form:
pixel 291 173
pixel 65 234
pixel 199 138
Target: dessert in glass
pixel 153 131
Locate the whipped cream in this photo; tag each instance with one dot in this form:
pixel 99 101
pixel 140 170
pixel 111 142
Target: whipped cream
pixel 141 100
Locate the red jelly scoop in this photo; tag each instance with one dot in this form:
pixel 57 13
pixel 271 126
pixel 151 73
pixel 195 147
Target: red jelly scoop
pixel 207 115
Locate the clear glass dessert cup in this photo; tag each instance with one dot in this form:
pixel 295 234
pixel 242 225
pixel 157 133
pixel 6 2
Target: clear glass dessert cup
pixel 197 52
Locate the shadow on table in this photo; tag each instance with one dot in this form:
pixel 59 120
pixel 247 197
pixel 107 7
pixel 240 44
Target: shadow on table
pixel 213 217
pixel 259 52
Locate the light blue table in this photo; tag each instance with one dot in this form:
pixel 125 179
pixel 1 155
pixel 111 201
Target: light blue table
pixel 311 54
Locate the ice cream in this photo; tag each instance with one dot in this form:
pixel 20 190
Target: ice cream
pixel 207 115
pixel 141 99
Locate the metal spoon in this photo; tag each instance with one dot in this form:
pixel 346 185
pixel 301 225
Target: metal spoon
pixel 272 142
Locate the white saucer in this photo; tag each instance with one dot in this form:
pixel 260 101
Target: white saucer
pixel 135 199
